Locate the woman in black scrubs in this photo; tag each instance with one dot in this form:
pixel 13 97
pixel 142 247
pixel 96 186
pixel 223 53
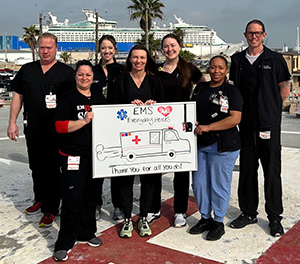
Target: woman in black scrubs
pixel 178 77
pixel 139 85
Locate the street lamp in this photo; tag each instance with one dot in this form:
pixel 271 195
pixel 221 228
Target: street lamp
pixel 211 43
pixel 5 45
pixel 146 21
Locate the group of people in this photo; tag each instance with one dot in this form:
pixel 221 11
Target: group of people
pixel 57 126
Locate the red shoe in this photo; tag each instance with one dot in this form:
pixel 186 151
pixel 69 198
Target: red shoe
pixel 47 220
pixel 33 209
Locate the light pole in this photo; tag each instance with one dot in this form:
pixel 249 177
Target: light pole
pixel 5 45
pixel 41 22
pixel 147 22
pixel 211 43
pixel 96 38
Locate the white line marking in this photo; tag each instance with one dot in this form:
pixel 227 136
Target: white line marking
pixel 290 132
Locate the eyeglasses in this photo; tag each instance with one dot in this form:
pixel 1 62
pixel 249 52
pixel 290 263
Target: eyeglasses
pixel 257 34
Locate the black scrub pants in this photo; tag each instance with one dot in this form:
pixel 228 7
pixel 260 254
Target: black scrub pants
pixel 181 184
pixel 268 151
pixel 114 191
pixel 80 194
pixel 44 163
pixel 146 194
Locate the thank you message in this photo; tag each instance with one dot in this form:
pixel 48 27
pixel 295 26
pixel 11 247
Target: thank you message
pixel 130 139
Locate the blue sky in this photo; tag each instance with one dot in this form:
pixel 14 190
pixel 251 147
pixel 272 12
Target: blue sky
pixel 228 17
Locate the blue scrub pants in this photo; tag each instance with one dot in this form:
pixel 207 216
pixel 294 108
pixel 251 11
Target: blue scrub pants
pixel 212 182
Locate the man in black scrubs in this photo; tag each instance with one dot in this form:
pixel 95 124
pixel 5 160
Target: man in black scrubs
pixel 38 85
pixel 263 79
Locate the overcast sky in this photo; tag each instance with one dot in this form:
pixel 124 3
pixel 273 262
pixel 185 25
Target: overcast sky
pixel 227 17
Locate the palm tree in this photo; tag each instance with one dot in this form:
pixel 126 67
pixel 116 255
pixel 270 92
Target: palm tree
pixel 65 56
pixel 138 11
pixel 187 55
pixel 154 44
pixel 30 38
pixel 180 33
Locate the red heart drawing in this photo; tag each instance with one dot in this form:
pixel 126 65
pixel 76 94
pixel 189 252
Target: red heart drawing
pixel 165 111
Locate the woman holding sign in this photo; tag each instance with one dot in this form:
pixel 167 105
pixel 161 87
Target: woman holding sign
pixel 79 190
pixel 178 77
pixel 105 74
pixel 219 110
pixel 139 85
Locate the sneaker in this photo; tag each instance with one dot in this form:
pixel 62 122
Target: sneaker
pixel 47 220
pixel 33 209
pixel 98 212
pixel 118 214
pixel 151 217
pixel 127 228
pixel 95 242
pixel 216 232
pixel 201 226
pixel 144 228
pixel 61 255
pixel 180 220
pixel 276 229
pixel 243 220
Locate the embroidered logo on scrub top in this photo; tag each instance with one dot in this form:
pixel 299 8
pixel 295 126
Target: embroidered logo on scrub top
pixel 267 67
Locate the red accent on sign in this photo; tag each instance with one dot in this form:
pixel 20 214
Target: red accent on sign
pixel 165 111
pixel 136 140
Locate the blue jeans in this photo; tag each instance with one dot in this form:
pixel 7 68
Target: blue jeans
pixel 212 182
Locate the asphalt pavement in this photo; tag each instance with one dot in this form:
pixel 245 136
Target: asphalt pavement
pixel 23 241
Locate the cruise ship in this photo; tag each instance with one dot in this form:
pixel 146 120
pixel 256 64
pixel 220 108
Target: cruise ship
pixel 80 36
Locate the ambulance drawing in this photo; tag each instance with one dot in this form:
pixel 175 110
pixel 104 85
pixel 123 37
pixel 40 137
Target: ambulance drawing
pixel 156 142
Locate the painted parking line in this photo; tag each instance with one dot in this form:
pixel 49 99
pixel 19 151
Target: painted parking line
pixel 284 250
pixel 136 249
pixel 116 250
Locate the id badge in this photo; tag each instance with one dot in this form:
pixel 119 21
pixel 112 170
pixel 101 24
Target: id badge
pixel 73 162
pixel 50 101
pixel 265 134
pixel 223 101
pixel 104 91
pixel 224 108
pixel 224 105
pixel 216 101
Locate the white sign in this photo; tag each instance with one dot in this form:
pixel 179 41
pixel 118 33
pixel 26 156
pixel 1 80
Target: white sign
pixel 136 140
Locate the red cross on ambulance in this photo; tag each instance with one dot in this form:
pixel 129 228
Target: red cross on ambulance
pixel 136 140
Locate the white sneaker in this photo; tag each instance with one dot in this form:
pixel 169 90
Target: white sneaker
pixel 144 228
pixel 180 220
pixel 151 217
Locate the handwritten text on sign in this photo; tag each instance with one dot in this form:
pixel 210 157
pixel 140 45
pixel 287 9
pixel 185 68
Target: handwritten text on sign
pixel 130 139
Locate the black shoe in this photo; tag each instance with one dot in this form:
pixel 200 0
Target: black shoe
pixel 276 228
pixel 243 220
pixel 61 255
pixel 216 232
pixel 95 242
pixel 201 226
